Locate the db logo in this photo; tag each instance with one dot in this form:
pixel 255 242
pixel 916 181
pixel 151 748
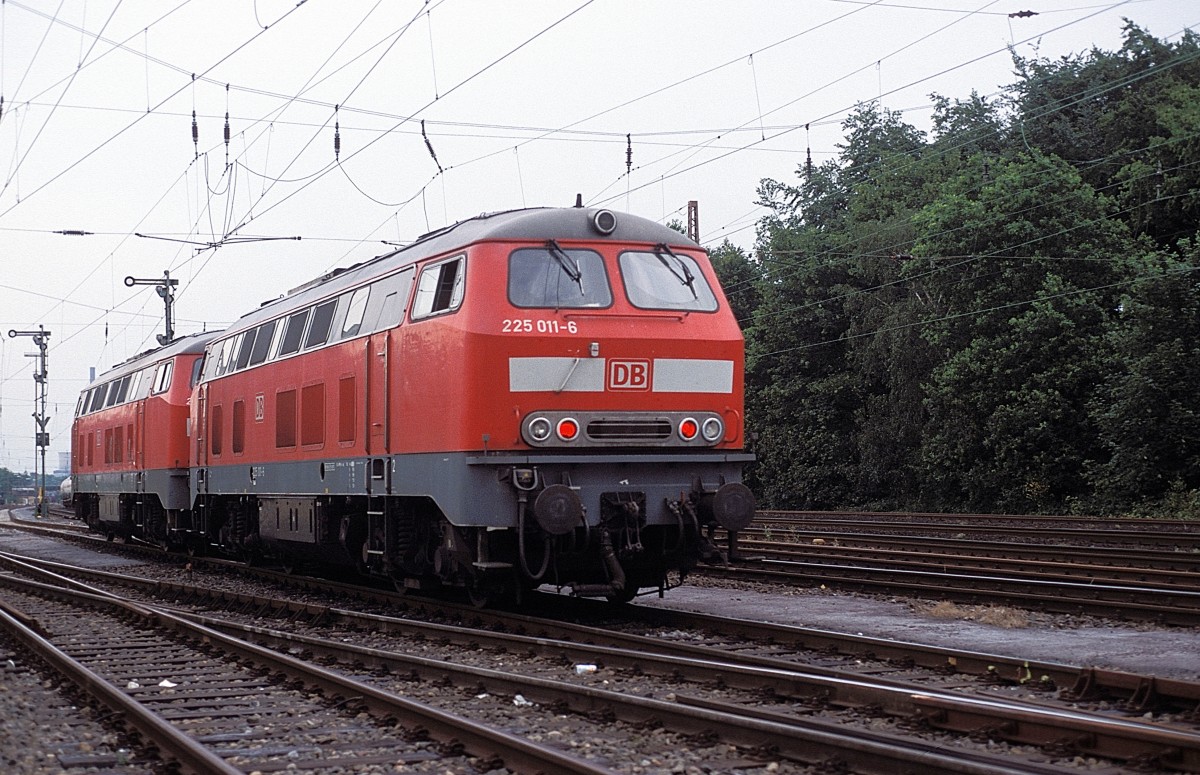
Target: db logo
pixel 629 375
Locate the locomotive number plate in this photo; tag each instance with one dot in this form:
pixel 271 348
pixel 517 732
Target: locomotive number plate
pixel 528 326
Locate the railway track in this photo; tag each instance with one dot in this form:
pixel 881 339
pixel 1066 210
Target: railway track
pixel 1137 584
pixel 746 720
pixel 1106 684
pixel 1038 590
pixel 216 704
pixel 1174 534
pixel 1116 563
pixel 1143 570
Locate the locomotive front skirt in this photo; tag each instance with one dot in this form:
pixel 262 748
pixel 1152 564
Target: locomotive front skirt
pixel 535 396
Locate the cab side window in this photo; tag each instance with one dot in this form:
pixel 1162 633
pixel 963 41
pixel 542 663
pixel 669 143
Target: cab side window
pixel 163 380
pixel 440 288
pixel 98 397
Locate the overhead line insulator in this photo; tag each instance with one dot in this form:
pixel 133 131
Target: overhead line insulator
pixel 337 136
pixel 429 145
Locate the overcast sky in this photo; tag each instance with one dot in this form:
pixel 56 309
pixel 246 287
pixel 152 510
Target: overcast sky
pixel 444 109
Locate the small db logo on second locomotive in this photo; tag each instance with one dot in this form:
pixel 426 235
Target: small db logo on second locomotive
pixel 629 375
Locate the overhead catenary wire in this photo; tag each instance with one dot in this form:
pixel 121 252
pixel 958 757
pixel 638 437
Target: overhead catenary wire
pixel 432 52
pixel 456 87
pixel 426 11
pixel 1103 88
pixel 197 150
pixel 87 155
pixel 676 172
pixel 845 253
pixel 326 168
pixel 49 116
pixel 217 184
pixel 269 181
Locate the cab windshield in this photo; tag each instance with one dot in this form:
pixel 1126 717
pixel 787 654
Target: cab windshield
pixel 551 277
pixel 664 279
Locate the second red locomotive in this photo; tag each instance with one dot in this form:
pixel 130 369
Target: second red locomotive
pixel 130 458
pixel 535 396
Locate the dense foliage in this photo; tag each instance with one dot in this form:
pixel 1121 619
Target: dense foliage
pixel 1002 316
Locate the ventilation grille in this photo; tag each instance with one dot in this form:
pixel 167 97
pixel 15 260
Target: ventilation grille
pixel 629 430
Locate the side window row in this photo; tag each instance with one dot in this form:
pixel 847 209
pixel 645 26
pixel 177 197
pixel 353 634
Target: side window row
pixel 370 308
pixel 361 311
pixel 364 310
pixel 149 381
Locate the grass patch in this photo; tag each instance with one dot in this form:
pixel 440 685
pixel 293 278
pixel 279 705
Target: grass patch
pixel 996 616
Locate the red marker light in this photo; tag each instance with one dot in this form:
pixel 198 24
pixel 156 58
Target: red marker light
pixel 567 429
pixel 688 428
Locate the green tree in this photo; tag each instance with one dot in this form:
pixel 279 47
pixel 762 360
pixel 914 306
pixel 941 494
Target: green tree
pixel 967 321
pixel 1148 406
pixel 740 277
pixel 10 480
pixel 831 264
pixel 892 361
pixel 799 396
pixel 1125 118
pixel 1032 263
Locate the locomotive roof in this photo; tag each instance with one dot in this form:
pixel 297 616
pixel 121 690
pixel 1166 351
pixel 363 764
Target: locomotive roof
pixel 184 345
pixel 534 224
pixel 558 223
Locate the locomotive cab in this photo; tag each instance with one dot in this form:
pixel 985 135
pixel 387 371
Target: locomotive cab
pixel 129 450
pixel 595 410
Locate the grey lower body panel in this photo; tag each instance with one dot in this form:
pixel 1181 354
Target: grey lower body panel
pixel 169 484
pixel 473 489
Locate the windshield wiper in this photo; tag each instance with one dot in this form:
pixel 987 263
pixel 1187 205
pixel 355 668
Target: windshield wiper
pixel 568 264
pixel 686 278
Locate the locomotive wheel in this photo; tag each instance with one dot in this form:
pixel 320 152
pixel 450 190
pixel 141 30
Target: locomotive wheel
pixel 480 596
pixel 486 591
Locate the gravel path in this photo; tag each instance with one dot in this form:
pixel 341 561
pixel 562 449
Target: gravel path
pixel 1085 641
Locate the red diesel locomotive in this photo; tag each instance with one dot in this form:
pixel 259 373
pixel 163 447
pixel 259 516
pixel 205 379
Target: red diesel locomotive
pixel 536 396
pixel 129 444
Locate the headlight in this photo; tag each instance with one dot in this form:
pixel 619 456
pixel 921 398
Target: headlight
pixel 539 429
pixel 604 221
pixel 712 430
